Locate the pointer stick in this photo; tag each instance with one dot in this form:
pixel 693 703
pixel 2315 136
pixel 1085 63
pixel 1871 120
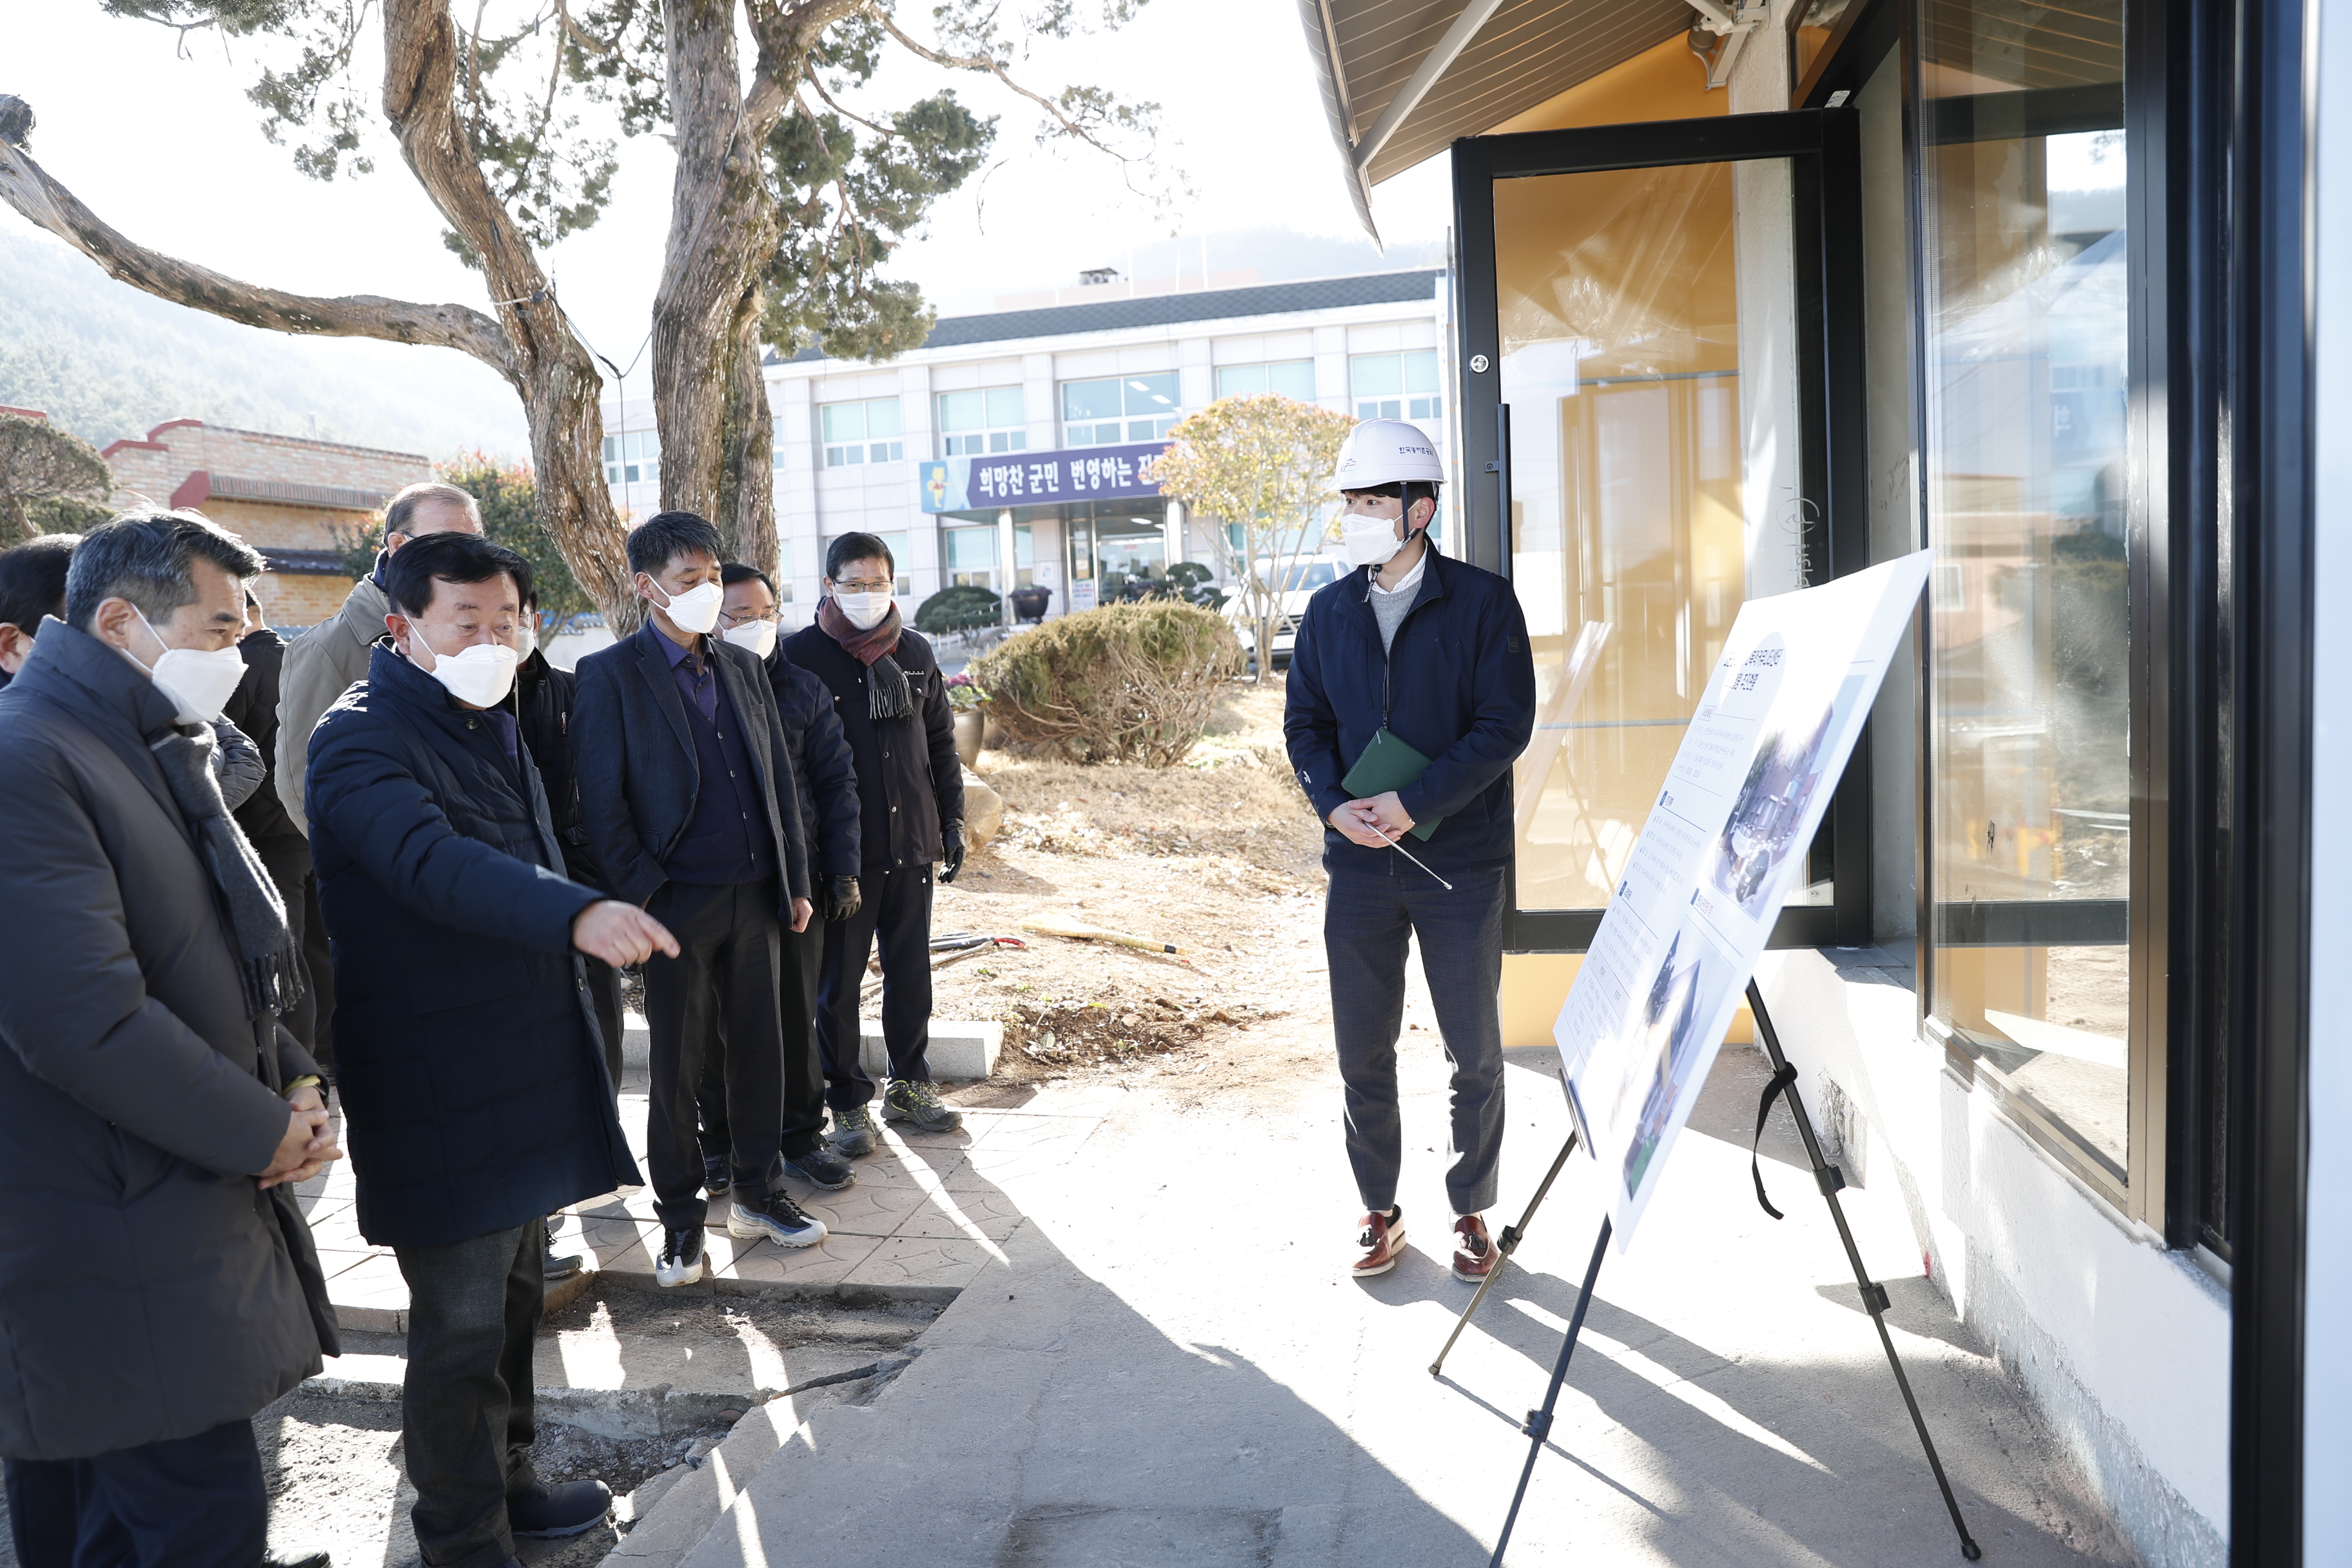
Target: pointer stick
pixel 1396 844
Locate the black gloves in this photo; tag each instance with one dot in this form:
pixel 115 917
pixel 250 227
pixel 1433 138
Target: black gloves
pixel 951 841
pixel 838 900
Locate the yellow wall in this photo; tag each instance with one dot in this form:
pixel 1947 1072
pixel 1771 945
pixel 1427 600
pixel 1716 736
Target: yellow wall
pixel 1666 82
pixel 1536 984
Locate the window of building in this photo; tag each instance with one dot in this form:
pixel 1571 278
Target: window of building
pixel 1396 386
pixel 970 555
pixel 783 570
pixel 1119 408
pixel 633 458
pixel 864 432
pixel 1289 378
pixel 897 544
pixel 2026 293
pixel 990 419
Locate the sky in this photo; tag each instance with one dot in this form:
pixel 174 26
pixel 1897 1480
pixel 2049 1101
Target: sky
pixel 161 143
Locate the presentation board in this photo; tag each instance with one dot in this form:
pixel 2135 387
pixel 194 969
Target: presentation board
pixel 1724 845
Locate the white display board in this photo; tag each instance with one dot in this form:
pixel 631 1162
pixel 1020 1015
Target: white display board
pixel 1725 841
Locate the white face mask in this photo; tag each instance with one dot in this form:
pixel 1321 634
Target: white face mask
pixel 199 681
pixel 526 635
pixel 697 609
pixel 760 636
pixel 865 610
pixel 1368 541
pixel 479 675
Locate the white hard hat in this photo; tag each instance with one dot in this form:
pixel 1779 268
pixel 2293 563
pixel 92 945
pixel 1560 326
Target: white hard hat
pixel 1387 452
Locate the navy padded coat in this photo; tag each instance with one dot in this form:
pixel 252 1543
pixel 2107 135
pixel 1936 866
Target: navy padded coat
pixel 469 1062
pixel 1457 684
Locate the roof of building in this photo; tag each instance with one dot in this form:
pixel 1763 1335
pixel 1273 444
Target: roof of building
pixel 1170 310
pixel 155 441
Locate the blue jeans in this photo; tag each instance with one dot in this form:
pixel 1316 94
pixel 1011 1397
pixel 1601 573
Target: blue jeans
pixel 1368 919
pixel 185 1502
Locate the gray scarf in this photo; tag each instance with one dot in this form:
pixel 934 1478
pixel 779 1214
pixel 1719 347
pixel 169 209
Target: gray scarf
pixel 887 695
pixel 266 964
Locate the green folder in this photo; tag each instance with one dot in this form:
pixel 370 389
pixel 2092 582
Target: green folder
pixel 1389 763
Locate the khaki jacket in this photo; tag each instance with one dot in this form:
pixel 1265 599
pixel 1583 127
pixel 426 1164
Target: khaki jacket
pixel 321 665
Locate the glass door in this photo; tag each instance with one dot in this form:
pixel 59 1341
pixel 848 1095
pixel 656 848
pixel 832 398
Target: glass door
pixel 1643 370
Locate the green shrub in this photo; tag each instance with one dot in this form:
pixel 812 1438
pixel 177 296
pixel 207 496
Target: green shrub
pixel 1123 683
pixel 964 608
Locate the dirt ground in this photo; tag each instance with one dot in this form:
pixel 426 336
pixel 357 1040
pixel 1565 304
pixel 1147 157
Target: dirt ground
pixel 1219 857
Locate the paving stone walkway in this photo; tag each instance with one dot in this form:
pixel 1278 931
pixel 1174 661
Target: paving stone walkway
pixel 928 1214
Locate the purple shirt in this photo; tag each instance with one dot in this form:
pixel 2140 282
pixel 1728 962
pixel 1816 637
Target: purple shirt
pixel 700 689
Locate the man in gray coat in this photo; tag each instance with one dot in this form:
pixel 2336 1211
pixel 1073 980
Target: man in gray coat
pixel 321 665
pixel 157 1284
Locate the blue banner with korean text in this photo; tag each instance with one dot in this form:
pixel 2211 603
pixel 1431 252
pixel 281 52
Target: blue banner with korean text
pixel 1039 478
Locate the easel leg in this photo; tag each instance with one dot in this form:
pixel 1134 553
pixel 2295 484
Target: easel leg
pixel 1538 1427
pixel 1504 1245
pixel 1830 1179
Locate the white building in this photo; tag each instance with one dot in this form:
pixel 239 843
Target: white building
pixel 1026 435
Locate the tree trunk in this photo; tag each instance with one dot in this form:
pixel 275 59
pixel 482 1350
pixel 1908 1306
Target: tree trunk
pixel 709 396
pixel 558 380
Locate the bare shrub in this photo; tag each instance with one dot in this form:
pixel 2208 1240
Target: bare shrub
pixel 1126 683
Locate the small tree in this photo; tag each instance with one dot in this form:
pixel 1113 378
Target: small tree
pixel 1262 466
pixel 508 495
pixel 50 482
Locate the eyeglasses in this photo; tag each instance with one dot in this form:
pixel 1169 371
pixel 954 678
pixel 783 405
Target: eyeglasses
pixel 883 586
pixel 730 620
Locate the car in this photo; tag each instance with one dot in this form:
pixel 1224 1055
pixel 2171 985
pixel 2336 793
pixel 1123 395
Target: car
pixel 1301 576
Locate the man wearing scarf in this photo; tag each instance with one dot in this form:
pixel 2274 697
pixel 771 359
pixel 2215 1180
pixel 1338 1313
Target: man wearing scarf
pixel 893 704
pixel 158 1284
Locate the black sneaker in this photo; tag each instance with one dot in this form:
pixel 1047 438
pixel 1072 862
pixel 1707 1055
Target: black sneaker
pixel 821 1167
pixel 853 1133
pixel 715 1178
pixel 776 1217
pixel 542 1512
pixel 559 1265
pixel 681 1257
pixel 910 1100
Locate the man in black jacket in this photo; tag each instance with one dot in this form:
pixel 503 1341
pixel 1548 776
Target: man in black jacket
pixel 284 851
pixel 160 1286
pixel 473 1080
pixel 692 812
pixel 893 704
pixel 827 781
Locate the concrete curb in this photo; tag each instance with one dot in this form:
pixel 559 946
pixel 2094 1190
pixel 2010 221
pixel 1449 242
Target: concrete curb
pixel 564 1293
pixel 619 1413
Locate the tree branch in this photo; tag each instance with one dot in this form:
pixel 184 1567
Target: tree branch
pixel 31 192
pixel 809 72
pixel 988 63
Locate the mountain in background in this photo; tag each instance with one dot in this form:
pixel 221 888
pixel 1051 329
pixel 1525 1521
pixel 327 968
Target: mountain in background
pixel 107 360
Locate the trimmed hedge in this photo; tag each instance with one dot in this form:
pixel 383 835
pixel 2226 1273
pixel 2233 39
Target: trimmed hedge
pixel 960 607
pixel 1123 683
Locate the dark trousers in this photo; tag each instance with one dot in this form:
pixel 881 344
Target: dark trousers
pixel 729 943
pixel 186 1502
pixel 804 1124
pixel 286 858
pixel 1368 919
pixel 604 996
pixel 895 909
pixel 467 1410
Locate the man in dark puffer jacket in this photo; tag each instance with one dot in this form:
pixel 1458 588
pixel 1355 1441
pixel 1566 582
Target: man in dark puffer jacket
pixel 472 1071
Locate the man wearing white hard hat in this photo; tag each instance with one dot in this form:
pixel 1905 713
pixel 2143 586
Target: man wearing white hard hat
pixel 1411 691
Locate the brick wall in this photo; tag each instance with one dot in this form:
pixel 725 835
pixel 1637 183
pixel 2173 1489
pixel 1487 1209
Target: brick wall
pixel 305 601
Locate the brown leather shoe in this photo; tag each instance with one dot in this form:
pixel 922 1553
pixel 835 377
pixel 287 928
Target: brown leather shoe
pixel 1382 1239
pixel 1474 1250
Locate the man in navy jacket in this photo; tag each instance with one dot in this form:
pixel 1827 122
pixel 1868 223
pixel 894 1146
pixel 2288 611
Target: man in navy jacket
pixel 687 795
pixel 1434 653
pixel 471 1069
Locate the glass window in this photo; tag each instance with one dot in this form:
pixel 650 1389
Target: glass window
pixel 970 556
pixel 1120 409
pixel 2022 183
pixel 1397 387
pixel 634 458
pixel 865 432
pixel 897 545
pixel 1619 304
pixel 987 419
pixel 1288 378
pixel 1810 25
pixel 783 570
